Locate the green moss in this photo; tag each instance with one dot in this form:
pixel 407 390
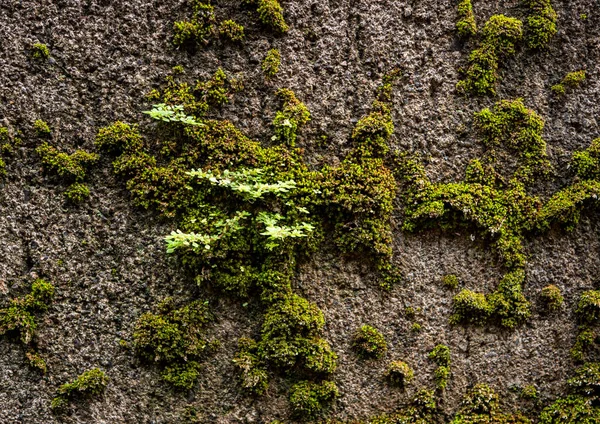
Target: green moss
pixel 441 356
pixel 271 62
pixel 470 307
pixel 72 167
pixel 466 25
pixel 369 342
pixel 290 118
pixel 174 339
pixel 583 343
pixel 270 14
pixel 40 51
pixel 231 31
pixel 541 23
pixel 199 29
pixel 586 380
pixel 572 80
pixel 499 37
pixel 254 378
pixel 19 317
pixel 416 327
pixel 89 384
pixel 77 192
pixel 399 373
pixel 571 410
pixel 309 399
pixel 450 281
pixel 588 308
pixel 42 129
pixel 481 405
pixel 552 298
pixel 421 410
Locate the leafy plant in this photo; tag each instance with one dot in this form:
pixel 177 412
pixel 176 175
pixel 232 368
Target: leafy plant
pixel 171 113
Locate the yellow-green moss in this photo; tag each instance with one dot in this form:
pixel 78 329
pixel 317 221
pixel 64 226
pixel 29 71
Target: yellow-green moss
pixel 89 384
pixel 441 356
pixel 271 62
pixel 551 298
pixel 309 399
pixel 399 373
pixel 572 80
pixel 40 51
pixel 369 342
pixel 466 25
pixel 541 23
pixel 481 405
pixel 231 31
pixel 42 129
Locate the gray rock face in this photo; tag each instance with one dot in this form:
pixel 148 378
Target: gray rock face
pixel 107 258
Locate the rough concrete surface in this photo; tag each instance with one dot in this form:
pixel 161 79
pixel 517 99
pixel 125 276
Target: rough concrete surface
pixel 107 259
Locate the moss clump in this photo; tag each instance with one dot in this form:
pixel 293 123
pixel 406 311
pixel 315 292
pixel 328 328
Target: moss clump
pixel 421 410
pixel 450 281
pixel 529 392
pixel 572 80
pixel 552 298
pixel 470 307
pixel 270 14
pixel 587 162
pixel 500 34
pixel 174 339
pixel 583 343
pixel 72 167
pixel 466 25
pixel 399 373
pixel 588 308
pixel 253 375
pixel 36 361
pixel 231 31
pixel 586 380
pixel 198 29
pixel 19 318
pixel 481 405
pixel 541 23
pixel 42 129
pixel 271 62
pixel 290 119
pixel 309 399
pixel 369 342
pixel 40 51
pixel 441 356
pixel 571 410
pixel 77 192
pixel 89 384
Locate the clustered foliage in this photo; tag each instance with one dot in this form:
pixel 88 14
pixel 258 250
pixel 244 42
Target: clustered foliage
pixel 271 62
pixel 572 80
pixel 19 318
pixel 89 384
pixel 499 39
pixel 174 339
pixel 246 215
pixel 441 356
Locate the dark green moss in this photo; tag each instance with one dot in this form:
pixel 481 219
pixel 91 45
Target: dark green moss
pixel 174 339
pixel 89 384
pixel 481 405
pixel 290 118
pixel 309 399
pixel 585 340
pixel 571 410
pixel 369 342
pixel 72 167
pixel 271 62
pixel 588 308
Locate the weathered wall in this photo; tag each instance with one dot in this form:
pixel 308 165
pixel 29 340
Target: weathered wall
pixel 107 258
